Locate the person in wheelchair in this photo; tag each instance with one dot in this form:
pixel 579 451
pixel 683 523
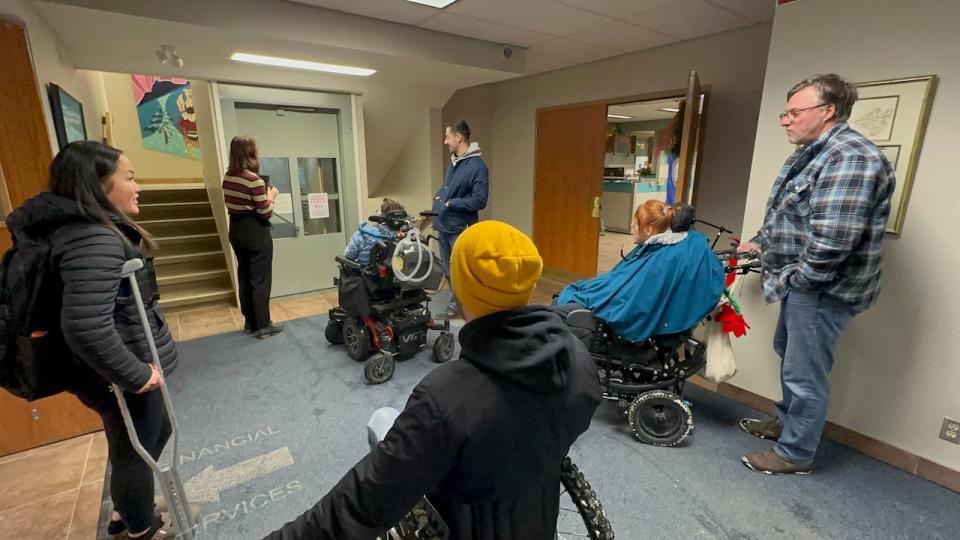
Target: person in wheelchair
pixel 482 437
pixel 368 234
pixel 670 281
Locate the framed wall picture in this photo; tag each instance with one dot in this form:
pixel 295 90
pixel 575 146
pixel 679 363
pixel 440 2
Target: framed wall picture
pixel 67 116
pixel 893 114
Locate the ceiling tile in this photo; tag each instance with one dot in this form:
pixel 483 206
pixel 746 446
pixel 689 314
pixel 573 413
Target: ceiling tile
pixel 536 62
pixel 573 51
pixel 542 16
pixel 689 19
pixel 618 9
pixel 329 4
pixel 497 33
pixel 391 10
pixel 622 36
pixel 755 10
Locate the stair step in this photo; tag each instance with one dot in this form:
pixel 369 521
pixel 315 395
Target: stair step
pixel 188 277
pixel 185 237
pixel 188 244
pixel 178 227
pixel 160 260
pixel 192 298
pixel 174 210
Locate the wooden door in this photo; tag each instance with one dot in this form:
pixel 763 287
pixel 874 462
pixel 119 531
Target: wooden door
pixel 568 183
pixel 690 141
pixel 25 156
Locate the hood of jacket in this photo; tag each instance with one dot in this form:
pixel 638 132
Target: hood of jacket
pixel 472 151
pixel 40 216
pixel 528 346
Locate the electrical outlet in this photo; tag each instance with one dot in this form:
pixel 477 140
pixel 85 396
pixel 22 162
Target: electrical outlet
pixel 950 431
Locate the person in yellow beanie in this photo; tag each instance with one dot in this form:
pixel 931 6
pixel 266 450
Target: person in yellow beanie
pixel 494 267
pixel 483 436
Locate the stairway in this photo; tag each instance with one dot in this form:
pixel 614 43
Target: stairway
pixel 190 263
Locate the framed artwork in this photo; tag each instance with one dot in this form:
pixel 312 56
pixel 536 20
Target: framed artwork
pixel 168 122
pixel 67 116
pixel 893 114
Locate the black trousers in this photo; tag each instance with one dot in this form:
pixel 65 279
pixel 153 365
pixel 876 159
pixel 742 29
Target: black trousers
pixel 131 479
pixel 251 241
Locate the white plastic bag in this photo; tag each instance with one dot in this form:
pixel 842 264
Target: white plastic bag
pixel 721 364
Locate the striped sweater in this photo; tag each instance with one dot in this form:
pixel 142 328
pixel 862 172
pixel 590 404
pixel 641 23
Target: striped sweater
pixel 244 192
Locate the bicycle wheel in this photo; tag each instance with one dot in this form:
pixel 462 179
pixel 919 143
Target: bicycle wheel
pixel 581 515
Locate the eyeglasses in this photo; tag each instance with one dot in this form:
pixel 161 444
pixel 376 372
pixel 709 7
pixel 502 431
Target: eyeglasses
pixel 794 113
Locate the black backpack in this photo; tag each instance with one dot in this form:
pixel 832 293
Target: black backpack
pixel 34 357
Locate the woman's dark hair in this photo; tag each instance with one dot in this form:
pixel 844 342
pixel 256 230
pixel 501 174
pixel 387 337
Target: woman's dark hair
pixel 461 127
pixel 243 155
pixel 389 205
pixel 81 172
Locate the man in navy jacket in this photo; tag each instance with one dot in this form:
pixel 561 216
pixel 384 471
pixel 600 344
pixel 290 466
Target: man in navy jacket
pixel 462 196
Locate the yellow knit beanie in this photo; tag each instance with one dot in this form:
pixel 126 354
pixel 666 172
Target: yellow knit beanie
pixel 494 267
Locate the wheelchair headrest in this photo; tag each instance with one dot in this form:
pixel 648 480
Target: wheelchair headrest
pixel 683 218
pixel 395 219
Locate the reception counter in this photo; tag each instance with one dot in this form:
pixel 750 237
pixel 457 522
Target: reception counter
pixel 620 199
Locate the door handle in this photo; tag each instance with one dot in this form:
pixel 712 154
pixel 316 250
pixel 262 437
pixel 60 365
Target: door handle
pixel 596 208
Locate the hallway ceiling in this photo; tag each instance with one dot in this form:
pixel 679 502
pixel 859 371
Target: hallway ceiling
pixel 561 33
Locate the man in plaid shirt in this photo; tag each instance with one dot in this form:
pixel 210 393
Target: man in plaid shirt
pixel 821 246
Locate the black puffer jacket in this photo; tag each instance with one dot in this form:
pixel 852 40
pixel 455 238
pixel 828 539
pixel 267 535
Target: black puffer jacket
pixel 483 436
pixel 99 319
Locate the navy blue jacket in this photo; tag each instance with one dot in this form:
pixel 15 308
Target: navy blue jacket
pixel 463 194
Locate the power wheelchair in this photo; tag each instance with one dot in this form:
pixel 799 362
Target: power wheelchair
pixel 381 318
pixel 647 378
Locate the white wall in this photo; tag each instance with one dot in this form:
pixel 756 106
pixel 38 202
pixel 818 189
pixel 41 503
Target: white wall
pixel 896 373
pixel 475 105
pixel 52 65
pixel 731 63
pixel 411 178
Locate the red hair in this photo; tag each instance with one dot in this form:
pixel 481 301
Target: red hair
pixel 656 214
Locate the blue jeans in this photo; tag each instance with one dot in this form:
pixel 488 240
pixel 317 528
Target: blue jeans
pixel 810 325
pixel 446 248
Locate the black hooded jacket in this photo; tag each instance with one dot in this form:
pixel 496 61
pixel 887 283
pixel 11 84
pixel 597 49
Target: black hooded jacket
pixel 99 317
pixel 483 437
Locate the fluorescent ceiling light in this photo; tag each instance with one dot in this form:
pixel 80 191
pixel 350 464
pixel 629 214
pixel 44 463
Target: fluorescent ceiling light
pixel 670 109
pixel 618 116
pixel 439 4
pixel 301 64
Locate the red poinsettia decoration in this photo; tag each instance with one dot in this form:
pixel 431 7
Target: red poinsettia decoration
pixel 732 321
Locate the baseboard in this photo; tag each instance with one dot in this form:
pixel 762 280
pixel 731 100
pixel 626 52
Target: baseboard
pixel 887 453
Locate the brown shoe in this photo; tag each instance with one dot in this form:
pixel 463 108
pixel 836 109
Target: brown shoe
pixel 769 462
pixel 764 429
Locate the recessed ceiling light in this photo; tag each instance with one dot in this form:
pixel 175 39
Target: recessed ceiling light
pixel 670 109
pixel 301 64
pixel 439 4
pixel 618 116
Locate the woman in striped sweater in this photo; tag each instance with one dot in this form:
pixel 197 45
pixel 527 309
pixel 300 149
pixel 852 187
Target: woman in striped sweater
pixel 250 204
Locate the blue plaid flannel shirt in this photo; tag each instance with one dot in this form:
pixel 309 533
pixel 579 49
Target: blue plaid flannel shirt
pixel 825 218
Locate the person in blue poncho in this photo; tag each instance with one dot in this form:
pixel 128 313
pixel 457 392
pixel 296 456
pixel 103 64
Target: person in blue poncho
pixel 368 234
pixel 670 281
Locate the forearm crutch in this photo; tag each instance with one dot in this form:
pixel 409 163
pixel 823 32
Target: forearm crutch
pixel 170 484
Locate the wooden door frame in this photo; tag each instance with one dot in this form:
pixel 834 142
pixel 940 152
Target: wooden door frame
pixel 560 275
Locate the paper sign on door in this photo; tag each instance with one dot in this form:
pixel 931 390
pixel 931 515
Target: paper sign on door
pixel 319 205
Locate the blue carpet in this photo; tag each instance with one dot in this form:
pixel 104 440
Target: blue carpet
pixel 294 397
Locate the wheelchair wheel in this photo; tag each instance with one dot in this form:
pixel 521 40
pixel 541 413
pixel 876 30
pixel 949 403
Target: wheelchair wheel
pixel 334 332
pixel 379 368
pixel 443 347
pixel 357 340
pixel 660 418
pixel 589 519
